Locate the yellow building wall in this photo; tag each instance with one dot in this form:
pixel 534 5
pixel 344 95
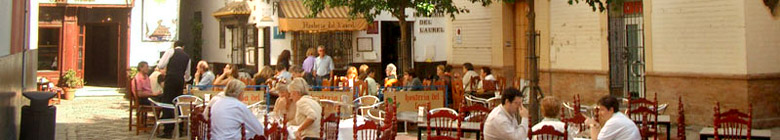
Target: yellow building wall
pixel 698 37
pixel 577 37
pixel 763 38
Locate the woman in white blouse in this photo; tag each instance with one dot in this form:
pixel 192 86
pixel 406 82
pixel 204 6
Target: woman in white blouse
pixel 228 114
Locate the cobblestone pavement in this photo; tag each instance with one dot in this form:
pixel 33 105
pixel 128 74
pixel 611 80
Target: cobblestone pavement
pixel 98 118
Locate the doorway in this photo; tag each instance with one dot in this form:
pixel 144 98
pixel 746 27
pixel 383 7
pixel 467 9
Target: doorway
pixel 101 54
pixel 391 40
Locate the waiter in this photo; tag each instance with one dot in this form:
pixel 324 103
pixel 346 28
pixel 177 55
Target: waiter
pixel 177 63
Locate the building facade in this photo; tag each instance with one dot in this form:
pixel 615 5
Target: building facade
pixel 704 51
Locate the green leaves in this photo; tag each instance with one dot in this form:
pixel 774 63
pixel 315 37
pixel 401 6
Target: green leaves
pixel 369 9
pixel 594 4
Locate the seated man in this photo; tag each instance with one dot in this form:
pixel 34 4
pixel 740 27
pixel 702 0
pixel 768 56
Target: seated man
pixel 204 78
pixel 308 111
pixel 228 114
pixel 551 110
pixel 501 123
pixel 143 86
pixel 616 126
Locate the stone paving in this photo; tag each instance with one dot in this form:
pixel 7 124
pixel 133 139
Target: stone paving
pixel 99 118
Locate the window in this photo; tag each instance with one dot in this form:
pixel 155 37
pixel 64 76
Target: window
pixel 48 48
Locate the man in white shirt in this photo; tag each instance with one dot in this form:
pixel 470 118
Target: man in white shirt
pixel 323 65
pixel 204 78
pixel 501 123
pixel 617 125
pixel 228 114
pixel 468 70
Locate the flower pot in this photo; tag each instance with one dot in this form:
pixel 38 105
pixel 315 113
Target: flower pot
pixel 69 93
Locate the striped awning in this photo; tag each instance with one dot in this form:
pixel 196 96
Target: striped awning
pixel 294 17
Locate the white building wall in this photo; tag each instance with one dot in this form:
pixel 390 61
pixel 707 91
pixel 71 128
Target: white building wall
pixel 140 50
pixel 210 49
pixel 762 37
pixel 5 27
pixel 575 37
pixel 476 42
pixel 700 37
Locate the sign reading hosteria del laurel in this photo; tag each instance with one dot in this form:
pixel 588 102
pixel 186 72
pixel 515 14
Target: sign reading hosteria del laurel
pixel 319 25
pixel 410 100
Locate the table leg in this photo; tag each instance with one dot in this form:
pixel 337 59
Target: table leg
pixel 478 134
pixel 668 132
pixel 703 137
pixel 419 133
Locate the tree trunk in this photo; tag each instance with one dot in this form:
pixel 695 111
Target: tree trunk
pixel 403 57
pixel 533 72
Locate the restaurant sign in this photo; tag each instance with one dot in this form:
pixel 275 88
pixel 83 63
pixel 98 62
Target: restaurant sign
pixel 410 100
pixel 321 24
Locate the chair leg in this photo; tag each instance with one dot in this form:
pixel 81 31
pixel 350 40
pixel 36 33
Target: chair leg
pixel 130 120
pixel 154 130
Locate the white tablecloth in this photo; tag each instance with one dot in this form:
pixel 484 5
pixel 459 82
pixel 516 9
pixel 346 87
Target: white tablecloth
pixel 345 128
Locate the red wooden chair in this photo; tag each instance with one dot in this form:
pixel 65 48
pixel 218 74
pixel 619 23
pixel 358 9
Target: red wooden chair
pixel 733 124
pixel 576 119
pixel 329 126
pixel 548 132
pixel 473 83
pixel 489 85
pixel 443 122
pixel 681 120
pixel 501 83
pixel 370 130
pixel 644 112
pixel 275 130
pixel 362 88
pixel 457 93
pixel 389 128
pixel 200 125
pixel 427 84
pixel 475 113
pixel 326 85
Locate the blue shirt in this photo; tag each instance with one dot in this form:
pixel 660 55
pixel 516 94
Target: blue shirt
pixel 206 80
pixel 323 65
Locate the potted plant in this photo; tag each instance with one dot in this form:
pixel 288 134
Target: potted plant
pixel 69 82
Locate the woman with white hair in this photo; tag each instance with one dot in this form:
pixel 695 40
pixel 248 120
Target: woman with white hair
pixel 308 111
pixel 228 114
pixel 391 75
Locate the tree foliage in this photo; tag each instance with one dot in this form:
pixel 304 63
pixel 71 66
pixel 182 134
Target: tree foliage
pixel 369 9
pixel 601 5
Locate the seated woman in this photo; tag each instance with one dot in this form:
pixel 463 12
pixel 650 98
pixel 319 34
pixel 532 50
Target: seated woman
pixel 371 83
pixel 551 110
pixel 228 74
pixel 392 76
pixel 308 111
pixel 228 114
pixel 264 75
pixel 284 105
pixel 487 76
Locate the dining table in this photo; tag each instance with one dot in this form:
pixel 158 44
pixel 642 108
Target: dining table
pixel 346 127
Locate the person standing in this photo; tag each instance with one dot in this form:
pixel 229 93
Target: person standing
pixel 204 78
pixel 284 59
pixel 323 65
pixel 501 123
pixel 308 65
pixel 177 63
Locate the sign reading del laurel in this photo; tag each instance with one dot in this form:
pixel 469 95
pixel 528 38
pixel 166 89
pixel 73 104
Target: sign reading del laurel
pixel 410 100
pixel 248 98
